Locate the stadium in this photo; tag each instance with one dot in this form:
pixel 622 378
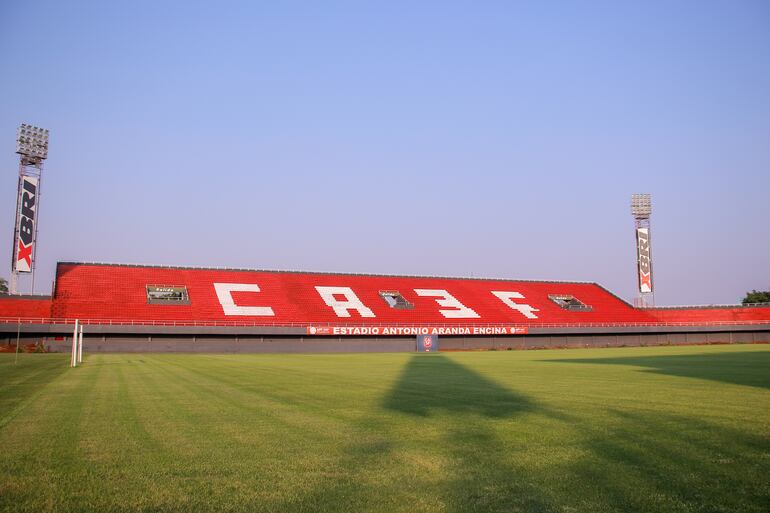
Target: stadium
pixel 177 388
pixel 137 308
pixel 141 308
pixel 376 257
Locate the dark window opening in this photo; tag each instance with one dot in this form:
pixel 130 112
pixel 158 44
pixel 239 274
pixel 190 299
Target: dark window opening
pixel 570 303
pixel 167 295
pixel 394 299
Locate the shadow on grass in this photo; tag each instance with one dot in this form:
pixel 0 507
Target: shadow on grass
pixel 672 463
pixel 435 383
pixel 479 475
pixel 454 462
pixel 744 368
pixel 624 461
pixel 22 382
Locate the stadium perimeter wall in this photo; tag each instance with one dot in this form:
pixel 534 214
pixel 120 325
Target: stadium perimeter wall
pixel 181 343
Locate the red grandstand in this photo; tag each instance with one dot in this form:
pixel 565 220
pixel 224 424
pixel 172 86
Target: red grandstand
pixel 130 299
pixel 98 292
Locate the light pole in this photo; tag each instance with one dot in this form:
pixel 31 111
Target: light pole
pixel 641 210
pixel 32 147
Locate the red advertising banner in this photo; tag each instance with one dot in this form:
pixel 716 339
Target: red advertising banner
pixel 24 232
pixel 374 331
pixel 644 259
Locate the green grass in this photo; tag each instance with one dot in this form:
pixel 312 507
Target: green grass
pixel 671 429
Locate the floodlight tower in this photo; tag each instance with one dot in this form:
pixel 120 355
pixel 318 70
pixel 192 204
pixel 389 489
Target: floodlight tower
pixel 641 209
pixel 32 147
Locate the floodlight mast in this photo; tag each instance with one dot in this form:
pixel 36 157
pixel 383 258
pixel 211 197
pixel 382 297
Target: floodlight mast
pixel 641 210
pixel 32 147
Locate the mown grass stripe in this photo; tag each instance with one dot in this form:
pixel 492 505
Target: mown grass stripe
pixel 633 429
pixel 22 383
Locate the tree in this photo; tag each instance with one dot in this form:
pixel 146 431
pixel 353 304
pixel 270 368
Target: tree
pixel 3 286
pixel 756 296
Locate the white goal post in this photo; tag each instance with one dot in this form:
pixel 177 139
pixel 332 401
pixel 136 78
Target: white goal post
pixel 80 345
pixel 74 358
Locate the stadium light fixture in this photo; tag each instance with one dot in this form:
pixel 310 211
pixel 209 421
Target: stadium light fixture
pixel 32 142
pixel 641 206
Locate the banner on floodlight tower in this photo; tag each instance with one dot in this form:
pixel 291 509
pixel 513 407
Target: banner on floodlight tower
pixel 644 259
pixel 26 207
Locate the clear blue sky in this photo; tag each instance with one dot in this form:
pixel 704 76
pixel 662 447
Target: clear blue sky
pixel 494 139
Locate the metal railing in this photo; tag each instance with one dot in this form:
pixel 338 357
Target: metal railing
pixel 707 307
pixel 247 324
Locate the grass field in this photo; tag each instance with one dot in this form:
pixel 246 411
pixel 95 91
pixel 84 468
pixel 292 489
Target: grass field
pixel 670 429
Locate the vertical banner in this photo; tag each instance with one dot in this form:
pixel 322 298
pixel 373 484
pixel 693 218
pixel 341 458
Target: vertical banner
pixel 644 259
pixel 427 343
pixel 24 234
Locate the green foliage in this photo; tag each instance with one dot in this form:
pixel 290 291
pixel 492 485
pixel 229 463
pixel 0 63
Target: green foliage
pixel 3 286
pixel 756 296
pixel 669 429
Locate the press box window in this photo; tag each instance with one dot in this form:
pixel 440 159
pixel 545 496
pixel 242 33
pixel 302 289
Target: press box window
pixel 167 295
pixel 395 300
pixel 570 303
